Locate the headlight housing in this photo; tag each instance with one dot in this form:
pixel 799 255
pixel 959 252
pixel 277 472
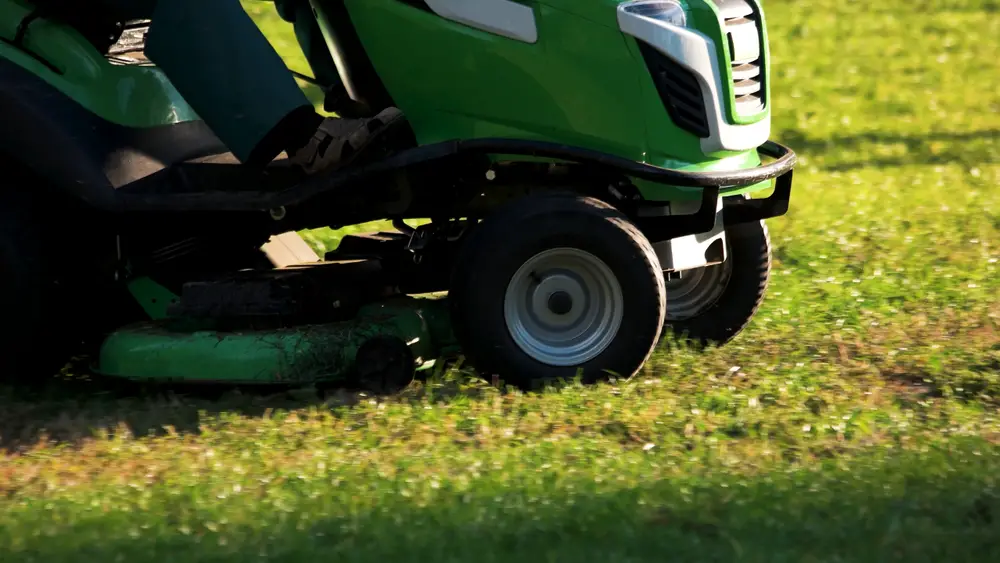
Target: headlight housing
pixel 667 11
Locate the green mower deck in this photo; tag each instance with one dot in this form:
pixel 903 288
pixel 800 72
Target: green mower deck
pixel 386 340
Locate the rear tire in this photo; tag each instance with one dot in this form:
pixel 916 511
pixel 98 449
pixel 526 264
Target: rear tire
pixel 57 258
pixel 32 341
pixel 738 289
pixel 593 303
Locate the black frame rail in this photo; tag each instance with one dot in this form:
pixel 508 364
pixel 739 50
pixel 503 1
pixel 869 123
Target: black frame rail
pixel 330 183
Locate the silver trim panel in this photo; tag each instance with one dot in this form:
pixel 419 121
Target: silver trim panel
pixel 501 17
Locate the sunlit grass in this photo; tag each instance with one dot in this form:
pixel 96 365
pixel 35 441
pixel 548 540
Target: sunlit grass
pixel 855 420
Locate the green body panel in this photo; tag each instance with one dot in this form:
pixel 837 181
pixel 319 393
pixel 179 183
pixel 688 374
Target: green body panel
pixel 152 297
pixel 467 83
pixel 464 83
pixel 704 17
pixel 602 12
pixel 133 96
pixel 171 351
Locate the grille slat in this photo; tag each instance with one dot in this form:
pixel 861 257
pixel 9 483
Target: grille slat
pixel 749 105
pixel 731 9
pixel 733 22
pixel 745 88
pixel 745 72
pixel 742 28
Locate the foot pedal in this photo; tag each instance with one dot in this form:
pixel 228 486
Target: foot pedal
pixel 369 245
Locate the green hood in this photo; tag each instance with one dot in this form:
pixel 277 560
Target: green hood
pixel 599 11
pixel 604 11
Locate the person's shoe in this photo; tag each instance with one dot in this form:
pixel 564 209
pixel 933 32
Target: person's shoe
pixel 339 142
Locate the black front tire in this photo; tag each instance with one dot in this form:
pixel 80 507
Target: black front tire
pixel 510 237
pixel 745 285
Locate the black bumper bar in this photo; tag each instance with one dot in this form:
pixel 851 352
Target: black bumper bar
pixel 345 182
pixel 735 211
pixel 784 162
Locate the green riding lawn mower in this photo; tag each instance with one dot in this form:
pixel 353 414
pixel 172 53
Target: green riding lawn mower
pixel 578 183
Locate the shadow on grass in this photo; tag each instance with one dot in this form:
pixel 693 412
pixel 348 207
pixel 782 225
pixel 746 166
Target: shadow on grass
pixel 935 506
pixel 66 410
pixel 931 149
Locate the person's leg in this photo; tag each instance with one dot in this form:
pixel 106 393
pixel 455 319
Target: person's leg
pixel 222 64
pixel 218 59
pixel 336 138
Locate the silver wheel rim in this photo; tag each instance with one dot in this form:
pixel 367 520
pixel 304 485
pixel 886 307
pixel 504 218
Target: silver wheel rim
pixel 697 290
pixel 563 307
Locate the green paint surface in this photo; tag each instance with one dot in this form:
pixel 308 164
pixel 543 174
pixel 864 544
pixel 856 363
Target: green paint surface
pixel 152 297
pixel 471 84
pixel 179 350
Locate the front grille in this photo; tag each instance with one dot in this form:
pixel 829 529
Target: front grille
pixel 742 26
pixel 679 90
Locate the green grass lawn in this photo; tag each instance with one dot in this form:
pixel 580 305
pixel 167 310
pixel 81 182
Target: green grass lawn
pixel 855 420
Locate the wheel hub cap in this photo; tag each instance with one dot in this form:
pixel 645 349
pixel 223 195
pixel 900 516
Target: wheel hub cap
pixel 563 307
